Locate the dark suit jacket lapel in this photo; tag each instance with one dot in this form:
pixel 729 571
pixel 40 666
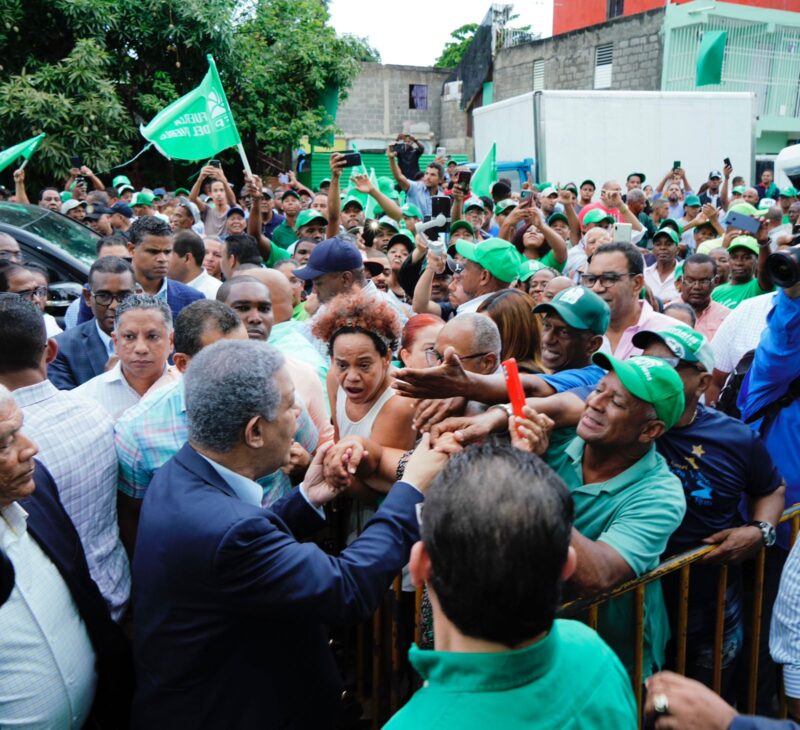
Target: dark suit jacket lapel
pixel 95 348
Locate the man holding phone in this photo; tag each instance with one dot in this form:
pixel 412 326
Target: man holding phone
pixel 418 192
pixel 408 150
pixel 214 211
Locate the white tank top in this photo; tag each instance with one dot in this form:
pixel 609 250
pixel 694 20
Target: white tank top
pixel 362 427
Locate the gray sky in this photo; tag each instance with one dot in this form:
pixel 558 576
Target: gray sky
pixel 414 32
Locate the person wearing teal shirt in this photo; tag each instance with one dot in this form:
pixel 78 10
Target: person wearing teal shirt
pixel 627 502
pixel 501 659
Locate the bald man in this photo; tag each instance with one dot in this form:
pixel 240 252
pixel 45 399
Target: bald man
pixel 252 300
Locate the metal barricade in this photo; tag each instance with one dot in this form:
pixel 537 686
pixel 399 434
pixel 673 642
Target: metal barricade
pixel 389 664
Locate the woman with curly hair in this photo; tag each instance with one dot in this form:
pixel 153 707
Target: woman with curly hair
pixel 362 332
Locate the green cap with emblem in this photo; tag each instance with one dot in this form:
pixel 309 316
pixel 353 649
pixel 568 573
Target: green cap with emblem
pixel 746 242
pixel 120 180
pixel 650 379
pixel 350 199
pixel 497 256
pixel 504 206
pixel 669 233
pixel 409 210
pixel 597 215
pixel 580 308
pixel 683 342
pixel 473 203
pixel 308 216
pixel 143 198
pixel 529 267
pixel 466 225
pixel 789 192
pixel 385 220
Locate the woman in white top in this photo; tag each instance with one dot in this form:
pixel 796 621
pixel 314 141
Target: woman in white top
pixel 361 332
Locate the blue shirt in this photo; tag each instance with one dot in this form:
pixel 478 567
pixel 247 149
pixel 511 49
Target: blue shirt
pixel 274 222
pixel 775 366
pixel 419 195
pixel 574 378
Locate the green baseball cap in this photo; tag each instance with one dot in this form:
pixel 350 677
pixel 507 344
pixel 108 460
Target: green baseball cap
pixel 543 185
pixel 746 209
pixel 124 188
pixel 307 217
pixel 789 192
pixel 597 215
pixel 182 191
pixel 405 237
pixel 409 210
pixel 557 217
pixel 650 379
pixel 462 224
pixel 739 190
pixel 497 256
pixel 504 205
pixel 676 226
pixel 549 192
pixel 143 198
pixel 352 199
pixel 528 268
pixel 747 242
pixel 385 220
pixel 669 233
pixel 766 203
pixel 120 180
pixel 580 308
pixel 65 196
pixel 473 203
pixel 387 186
pixel 682 341
pixel 692 201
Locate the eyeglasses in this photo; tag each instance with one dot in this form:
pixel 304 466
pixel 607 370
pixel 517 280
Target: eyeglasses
pixel 435 358
pixel 606 280
pixel 40 292
pixel 688 281
pixel 104 298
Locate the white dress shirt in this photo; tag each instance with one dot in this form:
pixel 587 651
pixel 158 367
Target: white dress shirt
pixel 664 289
pixel 76 443
pixel 112 391
pixel 47 663
pixel 105 339
pixel 206 284
pixel 741 331
pixel 51 326
pixel 472 305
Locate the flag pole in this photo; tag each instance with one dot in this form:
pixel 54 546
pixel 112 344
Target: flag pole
pixel 245 162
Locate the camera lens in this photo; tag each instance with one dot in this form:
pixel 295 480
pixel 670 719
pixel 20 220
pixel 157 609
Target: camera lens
pixel 784 268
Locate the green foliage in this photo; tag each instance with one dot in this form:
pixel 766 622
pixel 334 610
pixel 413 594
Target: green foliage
pixel 89 72
pixel 454 49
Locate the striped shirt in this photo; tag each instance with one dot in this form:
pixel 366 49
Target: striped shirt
pixel 784 632
pixel 76 443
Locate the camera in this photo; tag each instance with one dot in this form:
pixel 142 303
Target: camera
pixel 783 266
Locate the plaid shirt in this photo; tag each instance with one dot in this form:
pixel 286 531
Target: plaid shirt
pixel 153 431
pixel 76 443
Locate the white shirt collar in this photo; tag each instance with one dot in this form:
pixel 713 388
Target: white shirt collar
pixel 245 489
pixel 473 304
pixel 201 277
pixel 15 518
pixel 105 339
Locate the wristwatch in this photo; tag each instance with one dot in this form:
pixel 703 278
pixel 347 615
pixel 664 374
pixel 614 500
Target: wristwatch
pixel 768 533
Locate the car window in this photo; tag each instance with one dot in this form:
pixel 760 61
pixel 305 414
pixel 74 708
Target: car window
pixel 55 228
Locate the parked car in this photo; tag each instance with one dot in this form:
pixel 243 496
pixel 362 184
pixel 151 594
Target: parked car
pixel 63 246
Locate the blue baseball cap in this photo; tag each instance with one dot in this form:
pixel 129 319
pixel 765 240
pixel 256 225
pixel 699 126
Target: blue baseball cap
pixel 329 256
pixel 122 209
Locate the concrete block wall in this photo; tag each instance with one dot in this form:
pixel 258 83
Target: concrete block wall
pixel 377 106
pixel 569 58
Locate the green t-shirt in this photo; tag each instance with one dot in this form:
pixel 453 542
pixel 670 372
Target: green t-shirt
pixel 635 513
pixel 732 295
pixel 284 235
pixel 549 259
pixel 276 253
pixel 569 679
pixel 300 313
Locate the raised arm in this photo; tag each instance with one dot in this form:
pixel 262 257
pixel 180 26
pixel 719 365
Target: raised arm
pixel 724 198
pixel 336 162
pixel 615 201
pixel 254 189
pixel 764 279
pixel 364 185
pixel 19 186
pixel 396 172
pixel 194 195
pixel 96 181
pixel 565 198
pixel 295 184
pixel 557 244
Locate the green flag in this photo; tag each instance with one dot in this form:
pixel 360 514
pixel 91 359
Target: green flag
pixel 23 149
pixel 710 57
pixel 196 126
pixel 372 204
pixel 486 174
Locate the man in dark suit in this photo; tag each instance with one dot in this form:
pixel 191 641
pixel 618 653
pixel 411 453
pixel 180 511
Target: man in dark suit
pixel 83 351
pixel 230 607
pixel 63 661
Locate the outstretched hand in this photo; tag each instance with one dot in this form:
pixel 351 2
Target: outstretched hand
pixel 443 381
pixel 318 490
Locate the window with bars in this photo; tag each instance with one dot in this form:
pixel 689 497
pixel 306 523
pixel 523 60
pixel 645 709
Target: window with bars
pixel 616 8
pixel 538 75
pixel 603 62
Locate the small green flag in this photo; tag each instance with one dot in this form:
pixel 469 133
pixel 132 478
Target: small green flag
pixel 486 174
pixel 196 126
pixel 372 204
pixel 710 57
pixel 23 149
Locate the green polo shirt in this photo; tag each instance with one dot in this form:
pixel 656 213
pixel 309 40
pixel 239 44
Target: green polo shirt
pixel 284 235
pixel 635 513
pixel 276 253
pixel 732 295
pixel 570 679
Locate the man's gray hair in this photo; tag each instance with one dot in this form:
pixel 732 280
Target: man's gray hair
pixel 486 336
pixel 227 384
pixel 144 301
pixel 636 196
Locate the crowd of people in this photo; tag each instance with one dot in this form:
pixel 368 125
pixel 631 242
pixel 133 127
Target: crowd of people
pixel 247 369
